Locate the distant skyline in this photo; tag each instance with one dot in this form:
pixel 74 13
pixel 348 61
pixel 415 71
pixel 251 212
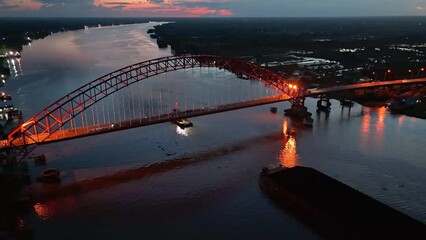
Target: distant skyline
pixel 211 8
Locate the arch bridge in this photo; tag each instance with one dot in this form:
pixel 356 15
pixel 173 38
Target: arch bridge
pixel 55 122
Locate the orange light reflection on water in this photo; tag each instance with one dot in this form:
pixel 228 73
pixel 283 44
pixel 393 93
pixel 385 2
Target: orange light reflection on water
pixel 43 211
pixel 366 119
pixel 401 120
pixel 380 124
pixel 288 154
pixel 50 209
pixel 372 129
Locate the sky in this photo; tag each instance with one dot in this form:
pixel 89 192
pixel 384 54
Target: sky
pixel 211 8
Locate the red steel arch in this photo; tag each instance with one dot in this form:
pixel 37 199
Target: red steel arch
pixel 50 119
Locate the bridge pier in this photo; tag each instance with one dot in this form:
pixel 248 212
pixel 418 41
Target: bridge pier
pixel 346 103
pixel 326 107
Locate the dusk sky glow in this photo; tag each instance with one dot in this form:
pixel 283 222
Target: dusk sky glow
pixel 210 8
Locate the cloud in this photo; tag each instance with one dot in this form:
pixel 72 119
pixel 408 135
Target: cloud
pixel 156 1
pixel 17 5
pixel 168 8
pixel 60 2
pixel 8 6
pixel 205 3
pixel 119 3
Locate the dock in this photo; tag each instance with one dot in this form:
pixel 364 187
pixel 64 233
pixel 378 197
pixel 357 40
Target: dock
pixel 336 210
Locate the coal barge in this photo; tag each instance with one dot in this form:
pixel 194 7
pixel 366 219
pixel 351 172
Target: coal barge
pixel 334 209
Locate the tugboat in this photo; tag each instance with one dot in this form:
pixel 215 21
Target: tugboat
pixel 183 123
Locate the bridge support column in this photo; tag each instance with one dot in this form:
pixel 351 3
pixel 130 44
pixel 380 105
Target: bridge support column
pixel 298 111
pixel 323 104
pixel 346 103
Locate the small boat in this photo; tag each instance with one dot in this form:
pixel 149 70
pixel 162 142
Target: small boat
pixel 150 31
pixel 50 175
pixel 154 36
pixel 273 109
pixel 183 123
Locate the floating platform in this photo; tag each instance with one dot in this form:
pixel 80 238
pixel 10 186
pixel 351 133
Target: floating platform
pixel 334 209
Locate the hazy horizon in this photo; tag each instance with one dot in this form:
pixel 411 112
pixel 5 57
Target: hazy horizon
pixel 211 8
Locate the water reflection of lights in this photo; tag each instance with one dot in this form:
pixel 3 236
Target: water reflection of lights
pixel 372 129
pixel 14 65
pixel 288 154
pixel 366 119
pixel 183 131
pixel 380 124
pixel 43 211
pixel 401 120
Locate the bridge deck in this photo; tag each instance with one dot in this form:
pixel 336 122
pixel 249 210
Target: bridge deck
pixel 62 135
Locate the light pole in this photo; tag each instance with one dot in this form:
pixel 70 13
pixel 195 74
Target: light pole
pixel 411 71
pixel 387 71
pixel 420 70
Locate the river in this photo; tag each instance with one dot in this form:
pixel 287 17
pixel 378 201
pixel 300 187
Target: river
pixel 202 182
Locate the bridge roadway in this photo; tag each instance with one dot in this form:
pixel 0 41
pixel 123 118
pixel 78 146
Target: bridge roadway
pixel 62 135
pixel 364 85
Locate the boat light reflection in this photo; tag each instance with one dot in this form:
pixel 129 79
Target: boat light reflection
pixel 183 131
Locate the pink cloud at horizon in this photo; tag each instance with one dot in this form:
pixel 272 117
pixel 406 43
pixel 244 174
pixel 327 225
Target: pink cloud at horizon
pixel 21 5
pixel 168 7
pixel 148 8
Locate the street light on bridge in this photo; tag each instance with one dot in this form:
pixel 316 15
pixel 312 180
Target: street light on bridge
pixel 420 70
pixel 410 71
pixel 387 71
